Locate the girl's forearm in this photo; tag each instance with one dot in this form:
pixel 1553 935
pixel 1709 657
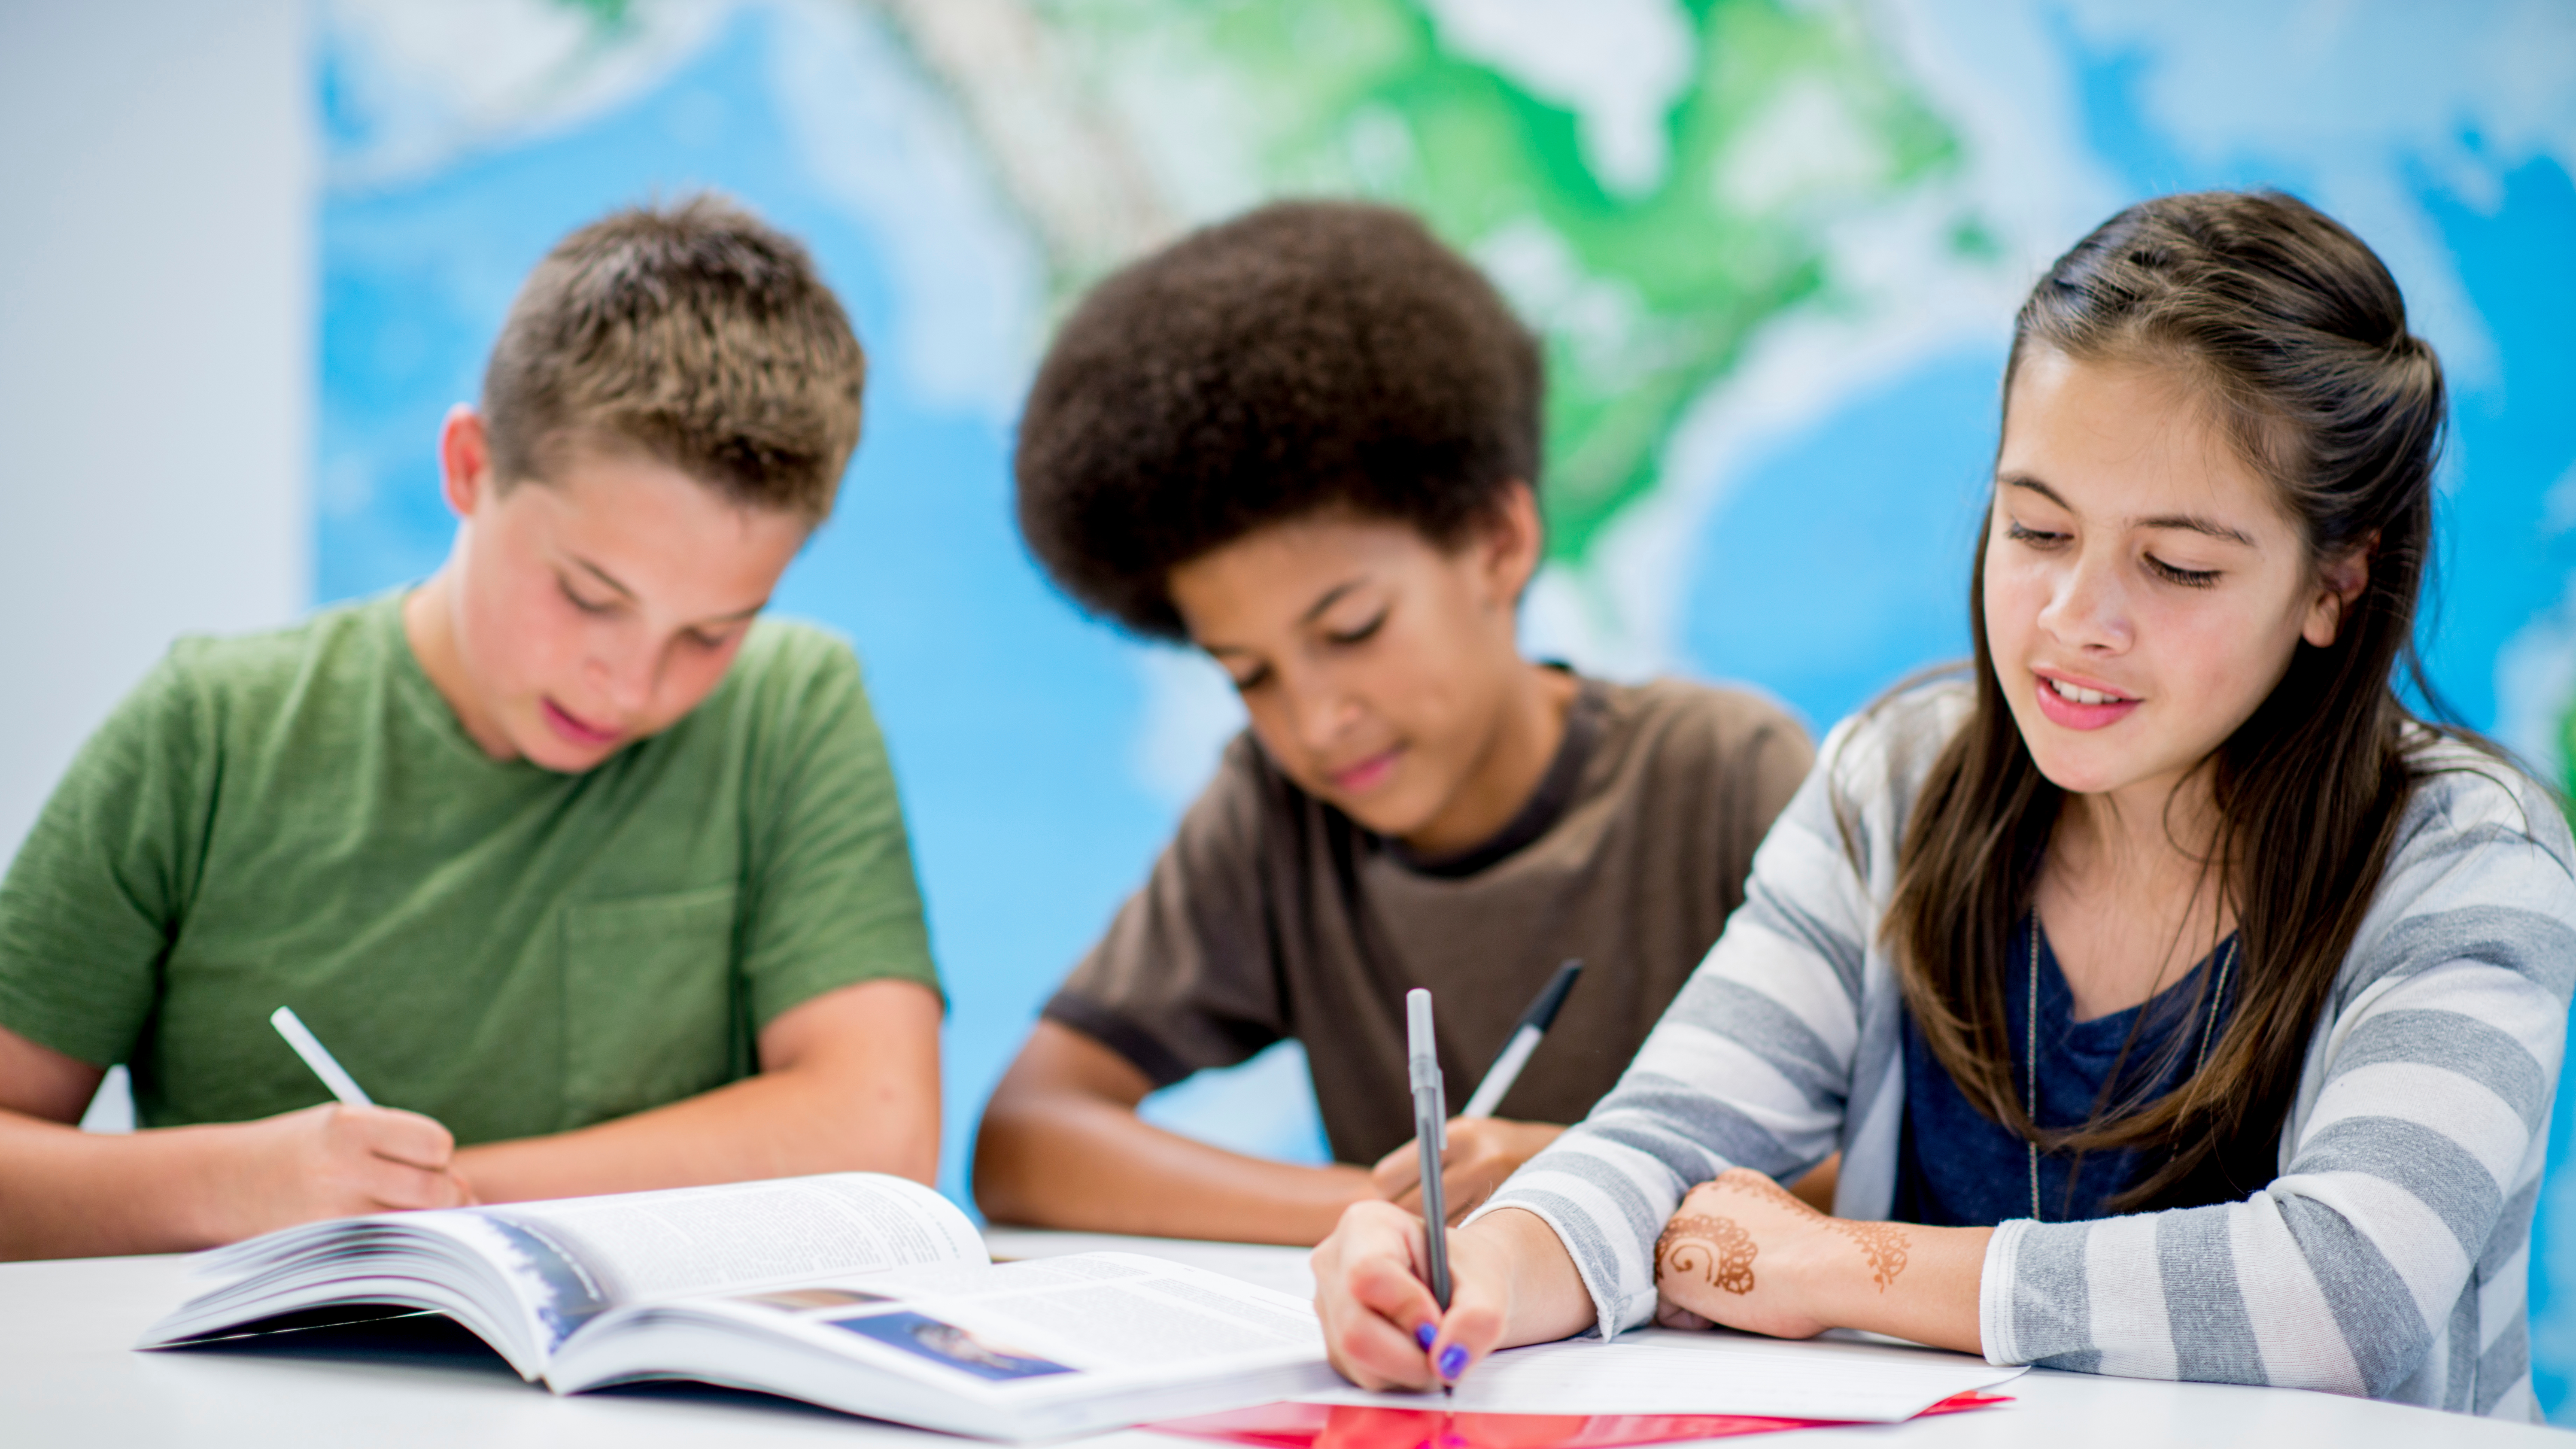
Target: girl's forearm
pixel 1548 1299
pixel 1900 1279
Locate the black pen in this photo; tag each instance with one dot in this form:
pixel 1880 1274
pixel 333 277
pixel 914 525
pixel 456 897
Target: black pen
pixel 1525 1037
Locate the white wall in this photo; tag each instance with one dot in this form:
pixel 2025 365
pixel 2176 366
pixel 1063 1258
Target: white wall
pixel 157 183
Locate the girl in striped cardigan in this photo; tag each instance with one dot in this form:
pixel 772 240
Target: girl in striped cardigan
pixel 2180 1005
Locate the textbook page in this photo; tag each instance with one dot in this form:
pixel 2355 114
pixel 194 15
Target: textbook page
pixel 1112 1313
pixel 527 1276
pixel 574 1258
pixel 1013 1350
pixel 1667 1371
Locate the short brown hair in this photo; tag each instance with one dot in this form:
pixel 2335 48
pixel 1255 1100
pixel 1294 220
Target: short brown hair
pixel 1304 357
pixel 694 332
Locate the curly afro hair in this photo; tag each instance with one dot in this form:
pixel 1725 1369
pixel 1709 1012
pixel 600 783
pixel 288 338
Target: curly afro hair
pixel 1306 357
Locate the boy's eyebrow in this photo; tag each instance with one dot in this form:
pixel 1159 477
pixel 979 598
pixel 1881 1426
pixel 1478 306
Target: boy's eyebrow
pixel 605 577
pixel 2189 522
pixel 1331 596
pixel 1313 612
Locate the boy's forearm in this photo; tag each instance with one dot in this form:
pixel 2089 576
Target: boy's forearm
pixel 1093 1165
pixel 65 1193
pixel 777 1124
pixel 849 1082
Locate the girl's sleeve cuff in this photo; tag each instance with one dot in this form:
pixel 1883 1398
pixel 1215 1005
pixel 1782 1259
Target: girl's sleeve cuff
pixel 1995 1294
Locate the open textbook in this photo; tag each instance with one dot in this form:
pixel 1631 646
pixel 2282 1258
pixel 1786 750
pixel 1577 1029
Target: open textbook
pixel 859 1292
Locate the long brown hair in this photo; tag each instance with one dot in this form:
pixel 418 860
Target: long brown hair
pixel 2294 334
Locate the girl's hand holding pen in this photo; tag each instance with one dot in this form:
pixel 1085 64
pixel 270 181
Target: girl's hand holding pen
pixel 1382 1327
pixel 1510 1283
pixel 1403 1308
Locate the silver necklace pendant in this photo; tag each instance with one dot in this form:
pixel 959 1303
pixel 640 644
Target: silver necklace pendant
pixel 2030 1066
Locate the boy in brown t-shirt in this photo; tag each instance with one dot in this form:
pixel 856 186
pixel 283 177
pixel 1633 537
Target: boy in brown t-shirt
pixel 1306 441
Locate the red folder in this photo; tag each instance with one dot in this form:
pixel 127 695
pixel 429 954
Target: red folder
pixel 1346 1426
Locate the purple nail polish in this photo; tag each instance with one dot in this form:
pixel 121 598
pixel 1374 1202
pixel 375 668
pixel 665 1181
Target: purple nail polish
pixel 1453 1361
pixel 1423 1333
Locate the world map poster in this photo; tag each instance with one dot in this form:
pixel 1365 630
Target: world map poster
pixel 1773 250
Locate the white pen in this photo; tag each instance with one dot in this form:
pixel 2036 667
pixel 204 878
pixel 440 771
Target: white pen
pixel 309 1047
pixel 1525 1037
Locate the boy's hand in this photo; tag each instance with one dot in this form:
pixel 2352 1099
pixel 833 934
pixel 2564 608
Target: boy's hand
pixel 331 1161
pixel 1482 1151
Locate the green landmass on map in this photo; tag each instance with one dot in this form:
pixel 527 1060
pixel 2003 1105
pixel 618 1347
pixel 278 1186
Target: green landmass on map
pixel 1646 297
pixel 2567 761
pixel 1359 97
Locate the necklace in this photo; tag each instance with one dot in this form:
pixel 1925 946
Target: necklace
pixel 2030 1047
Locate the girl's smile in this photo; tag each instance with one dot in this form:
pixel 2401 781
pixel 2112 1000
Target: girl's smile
pixel 2078 704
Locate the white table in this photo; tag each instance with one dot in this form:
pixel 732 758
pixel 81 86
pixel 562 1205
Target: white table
pixel 68 1377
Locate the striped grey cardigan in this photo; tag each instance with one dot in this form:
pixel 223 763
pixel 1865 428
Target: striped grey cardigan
pixel 2388 1258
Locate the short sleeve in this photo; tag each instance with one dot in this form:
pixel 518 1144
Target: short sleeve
pixel 101 884
pixel 1186 979
pixel 1776 758
pixel 833 898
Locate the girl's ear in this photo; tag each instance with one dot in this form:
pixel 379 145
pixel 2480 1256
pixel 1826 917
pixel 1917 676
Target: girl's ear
pixel 2340 580
pixel 1510 539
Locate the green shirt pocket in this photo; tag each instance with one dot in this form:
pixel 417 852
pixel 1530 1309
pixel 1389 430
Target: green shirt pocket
pixel 651 1009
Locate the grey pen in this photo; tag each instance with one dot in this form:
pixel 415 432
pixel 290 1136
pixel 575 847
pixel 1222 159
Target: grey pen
pixel 1430 1133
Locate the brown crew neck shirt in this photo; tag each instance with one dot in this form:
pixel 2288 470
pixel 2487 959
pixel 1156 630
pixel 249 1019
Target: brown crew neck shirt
pixel 1272 915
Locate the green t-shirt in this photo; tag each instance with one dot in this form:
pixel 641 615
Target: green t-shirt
pixel 297 819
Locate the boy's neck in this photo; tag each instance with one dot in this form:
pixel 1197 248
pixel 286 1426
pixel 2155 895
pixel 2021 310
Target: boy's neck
pixel 1528 731
pixel 429 626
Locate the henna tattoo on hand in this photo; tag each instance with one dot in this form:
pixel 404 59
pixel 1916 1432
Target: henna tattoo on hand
pixel 1714 1247
pixel 1883 1244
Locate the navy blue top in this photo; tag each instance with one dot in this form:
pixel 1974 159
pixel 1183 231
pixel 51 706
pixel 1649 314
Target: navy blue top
pixel 1956 1167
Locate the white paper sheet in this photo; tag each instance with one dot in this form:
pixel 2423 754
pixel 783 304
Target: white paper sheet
pixel 1660 1371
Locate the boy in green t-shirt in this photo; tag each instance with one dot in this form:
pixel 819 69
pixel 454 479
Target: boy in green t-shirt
pixel 594 881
